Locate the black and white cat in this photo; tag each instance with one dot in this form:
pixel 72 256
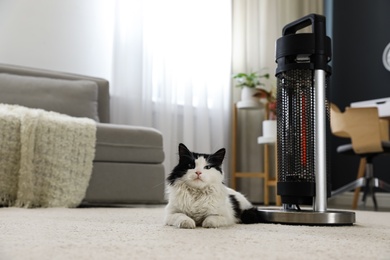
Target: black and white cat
pixel 198 197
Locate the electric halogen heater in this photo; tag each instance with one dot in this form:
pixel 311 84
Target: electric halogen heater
pixel 302 77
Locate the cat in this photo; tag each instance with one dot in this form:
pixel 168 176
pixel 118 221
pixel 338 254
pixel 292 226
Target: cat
pixel 197 196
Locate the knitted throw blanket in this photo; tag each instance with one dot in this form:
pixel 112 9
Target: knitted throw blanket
pixel 45 157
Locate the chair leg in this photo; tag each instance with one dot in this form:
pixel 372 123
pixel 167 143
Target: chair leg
pixel 377 183
pixel 369 190
pixel 381 184
pixel 362 167
pixel 374 197
pixel 350 186
pixel 371 183
pixel 365 177
pixel 366 191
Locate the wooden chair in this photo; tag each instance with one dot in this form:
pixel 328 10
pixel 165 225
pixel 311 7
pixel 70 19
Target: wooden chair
pixel 369 138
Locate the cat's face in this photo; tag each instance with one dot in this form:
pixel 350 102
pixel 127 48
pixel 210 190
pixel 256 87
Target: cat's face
pixel 197 170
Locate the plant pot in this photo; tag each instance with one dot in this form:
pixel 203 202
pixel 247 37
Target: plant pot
pixel 247 98
pixel 269 132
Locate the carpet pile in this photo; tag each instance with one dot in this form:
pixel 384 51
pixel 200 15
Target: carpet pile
pixel 139 233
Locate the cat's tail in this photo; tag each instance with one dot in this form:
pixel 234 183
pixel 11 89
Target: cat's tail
pixel 251 216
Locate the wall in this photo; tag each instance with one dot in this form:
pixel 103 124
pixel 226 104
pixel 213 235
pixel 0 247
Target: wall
pixel 73 36
pixel 360 34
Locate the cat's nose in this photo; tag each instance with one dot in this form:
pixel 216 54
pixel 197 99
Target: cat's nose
pixel 198 173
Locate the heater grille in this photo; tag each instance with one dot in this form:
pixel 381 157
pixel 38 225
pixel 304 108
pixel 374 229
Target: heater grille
pixel 297 136
pixel 296 130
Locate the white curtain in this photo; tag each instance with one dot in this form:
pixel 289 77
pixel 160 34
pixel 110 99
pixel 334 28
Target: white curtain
pixel 172 70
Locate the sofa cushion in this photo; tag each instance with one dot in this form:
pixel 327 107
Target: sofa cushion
pixel 130 144
pixel 76 98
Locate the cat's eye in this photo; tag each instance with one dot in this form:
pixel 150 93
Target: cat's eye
pixel 207 167
pixel 191 165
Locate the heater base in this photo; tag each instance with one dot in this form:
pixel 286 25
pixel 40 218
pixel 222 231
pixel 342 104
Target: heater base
pixel 307 217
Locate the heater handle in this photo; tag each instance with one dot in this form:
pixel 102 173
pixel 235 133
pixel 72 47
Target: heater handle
pixel 317 21
pixel 322 53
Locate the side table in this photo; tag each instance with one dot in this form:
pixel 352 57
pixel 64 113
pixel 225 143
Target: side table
pixel 268 182
pixel 268 139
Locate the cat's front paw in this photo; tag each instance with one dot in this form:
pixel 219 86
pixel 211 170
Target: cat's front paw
pixel 187 223
pixel 214 222
pixel 179 220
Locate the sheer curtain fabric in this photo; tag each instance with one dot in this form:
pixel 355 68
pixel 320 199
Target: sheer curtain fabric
pixel 172 71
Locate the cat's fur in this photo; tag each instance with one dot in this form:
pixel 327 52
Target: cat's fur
pixel 198 197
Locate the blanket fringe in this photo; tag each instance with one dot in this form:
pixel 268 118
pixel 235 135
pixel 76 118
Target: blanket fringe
pixel 6 200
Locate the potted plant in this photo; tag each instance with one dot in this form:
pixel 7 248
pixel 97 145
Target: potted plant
pixel 251 80
pixel 270 97
pixel 249 84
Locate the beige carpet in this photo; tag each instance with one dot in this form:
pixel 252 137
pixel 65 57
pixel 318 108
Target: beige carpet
pixel 138 233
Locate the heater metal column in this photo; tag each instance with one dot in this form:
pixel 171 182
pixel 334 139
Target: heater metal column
pixel 320 203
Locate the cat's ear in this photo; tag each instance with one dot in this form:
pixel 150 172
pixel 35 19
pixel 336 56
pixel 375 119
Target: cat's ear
pixel 218 156
pixel 183 150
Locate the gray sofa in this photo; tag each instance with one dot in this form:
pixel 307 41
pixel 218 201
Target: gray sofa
pixel 127 167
